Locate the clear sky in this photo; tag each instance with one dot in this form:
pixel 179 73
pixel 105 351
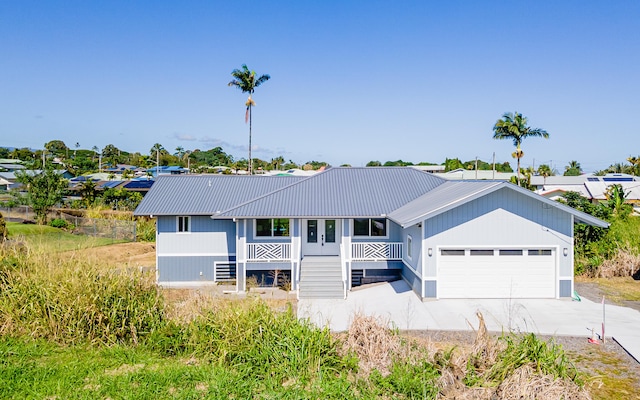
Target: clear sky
pixel 350 81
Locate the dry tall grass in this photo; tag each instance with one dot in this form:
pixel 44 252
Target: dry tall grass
pixel 623 264
pixel 71 299
pixel 483 370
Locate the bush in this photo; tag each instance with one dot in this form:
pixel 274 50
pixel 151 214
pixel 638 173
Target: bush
pixel 59 223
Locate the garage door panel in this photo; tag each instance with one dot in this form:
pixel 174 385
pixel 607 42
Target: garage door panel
pixel 486 276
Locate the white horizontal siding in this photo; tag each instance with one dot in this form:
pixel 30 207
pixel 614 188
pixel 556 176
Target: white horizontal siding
pixel 195 243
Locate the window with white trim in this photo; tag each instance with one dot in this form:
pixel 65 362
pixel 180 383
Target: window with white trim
pixel 184 224
pixel 375 227
pixel 409 246
pixel 275 227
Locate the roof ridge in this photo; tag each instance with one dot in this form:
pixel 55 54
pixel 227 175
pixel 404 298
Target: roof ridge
pixel 301 179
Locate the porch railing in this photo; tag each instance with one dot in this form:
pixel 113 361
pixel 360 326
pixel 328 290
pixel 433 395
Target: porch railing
pixel 268 252
pixel 376 251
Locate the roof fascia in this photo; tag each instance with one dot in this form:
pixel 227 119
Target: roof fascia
pixel 579 215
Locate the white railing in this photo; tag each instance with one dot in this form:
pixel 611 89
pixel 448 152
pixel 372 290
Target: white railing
pixel 268 252
pixel 376 251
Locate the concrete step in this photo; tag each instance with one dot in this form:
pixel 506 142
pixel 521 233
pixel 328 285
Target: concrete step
pixel 321 275
pixel 321 295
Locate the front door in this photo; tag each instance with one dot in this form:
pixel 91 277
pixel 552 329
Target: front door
pixel 321 237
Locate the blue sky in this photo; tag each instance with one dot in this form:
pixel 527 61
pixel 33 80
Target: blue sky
pixel 350 81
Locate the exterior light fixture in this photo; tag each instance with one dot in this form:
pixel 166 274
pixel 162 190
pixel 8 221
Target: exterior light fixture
pixel 430 251
pixel 565 251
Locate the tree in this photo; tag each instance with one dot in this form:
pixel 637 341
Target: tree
pixel 615 199
pixel 545 171
pixel 111 155
pixel 56 147
pixel 44 190
pixel 635 165
pixel 514 127
pixel 374 164
pixel 573 169
pixel 247 82
pixel 88 192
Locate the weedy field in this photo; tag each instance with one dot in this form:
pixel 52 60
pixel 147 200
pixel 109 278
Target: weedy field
pixel 73 325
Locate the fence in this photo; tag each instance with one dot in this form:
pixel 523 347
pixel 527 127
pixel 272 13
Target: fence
pixel 105 228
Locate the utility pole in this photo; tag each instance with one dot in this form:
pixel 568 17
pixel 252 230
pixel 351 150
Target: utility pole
pixel 476 167
pixel 493 167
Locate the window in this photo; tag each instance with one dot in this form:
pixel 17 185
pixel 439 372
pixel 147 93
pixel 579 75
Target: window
pixel 370 227
pixel 451 252
pixel 510 252
pixel 481 252
pixel 272 227
pixel 545 252
pixel 409 246
pixel 184 224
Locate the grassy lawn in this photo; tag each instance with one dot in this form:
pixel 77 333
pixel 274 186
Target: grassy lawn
pixel 619 289
pixel 44 370
pixel 54 239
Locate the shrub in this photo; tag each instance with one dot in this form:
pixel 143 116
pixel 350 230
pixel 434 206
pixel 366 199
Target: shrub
pixel 58 223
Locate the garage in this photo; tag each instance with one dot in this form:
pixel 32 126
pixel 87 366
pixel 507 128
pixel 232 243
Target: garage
pixel 496 272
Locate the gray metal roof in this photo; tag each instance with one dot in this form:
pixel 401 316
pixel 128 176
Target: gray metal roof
pixel 405 195
pixel 206 194
pixel 455 193
pixel 342 192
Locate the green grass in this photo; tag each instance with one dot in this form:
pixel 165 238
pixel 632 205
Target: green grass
pixel 39 369
pixel 53 239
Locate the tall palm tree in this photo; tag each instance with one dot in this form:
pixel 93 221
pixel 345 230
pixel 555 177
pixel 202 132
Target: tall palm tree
pixel 514 127
pixel 545 171
pixel 246 81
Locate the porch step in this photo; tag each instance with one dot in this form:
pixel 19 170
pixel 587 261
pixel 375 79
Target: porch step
pixel 321 278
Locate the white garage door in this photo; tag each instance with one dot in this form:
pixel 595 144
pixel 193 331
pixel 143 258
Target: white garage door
pixel 496 273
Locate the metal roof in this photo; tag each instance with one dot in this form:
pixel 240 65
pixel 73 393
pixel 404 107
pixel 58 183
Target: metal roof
pixel 404 195
pixel 455 194
pixel 342 192
pixel 205 194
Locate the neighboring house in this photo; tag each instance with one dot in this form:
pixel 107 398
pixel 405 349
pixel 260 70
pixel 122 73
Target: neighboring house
pixel 472 174
pixel 348 226
pixel 167 170
pixel 9 164
pixel 13 181
pixel 436 169
pixel 4 184
pixel 592 187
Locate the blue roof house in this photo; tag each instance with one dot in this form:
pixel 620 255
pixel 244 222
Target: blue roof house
pixel 345 227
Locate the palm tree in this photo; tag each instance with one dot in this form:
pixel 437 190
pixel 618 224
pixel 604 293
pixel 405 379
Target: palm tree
pixel 545 171
pixel 573 169
pixel 514 127
pixel 246 81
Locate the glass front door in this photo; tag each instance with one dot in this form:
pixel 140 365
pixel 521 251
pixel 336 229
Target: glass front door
pixel 322 237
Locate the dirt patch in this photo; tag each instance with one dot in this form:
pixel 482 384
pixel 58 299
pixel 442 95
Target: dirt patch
pixel 135 254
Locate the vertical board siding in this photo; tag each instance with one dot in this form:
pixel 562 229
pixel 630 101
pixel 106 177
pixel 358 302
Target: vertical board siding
pixel 502 218
pixel 416 246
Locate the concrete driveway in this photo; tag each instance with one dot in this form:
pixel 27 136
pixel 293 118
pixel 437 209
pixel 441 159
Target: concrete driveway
pixel 396 303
